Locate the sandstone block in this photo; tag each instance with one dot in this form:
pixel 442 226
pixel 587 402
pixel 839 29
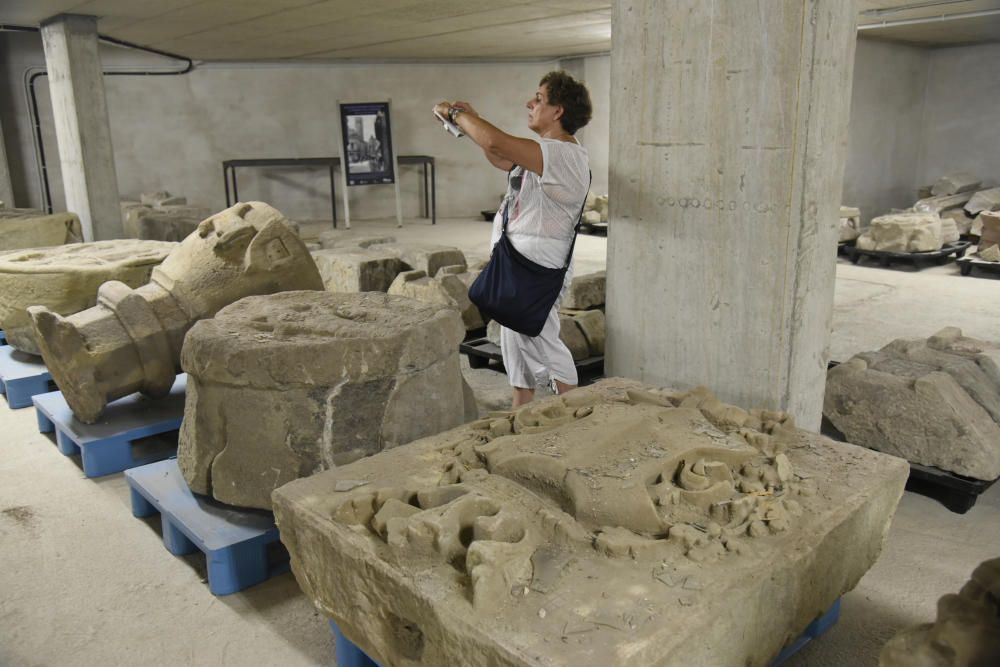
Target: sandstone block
pixel 933 402
pixel 131 340
pixel 423 257
pixel 903 232
pixel 592 326
pixel 954 183
pixel 166 223
pixel 989 232
pixel 356 269
pixel 65 279
pixel 591 217
pixel 287 385
pixel 161 198
pixel 963 223
pixel 22 228
pixel 586 291
pixel 850 223
pixel 615 525
pixel 942 203
pixel 446 289
pixel 949 230
pixel 984 200
pixel 966 632
pixel 570 334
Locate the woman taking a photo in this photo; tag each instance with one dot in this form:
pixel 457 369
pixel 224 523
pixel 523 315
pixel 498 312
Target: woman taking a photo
pixel 548 180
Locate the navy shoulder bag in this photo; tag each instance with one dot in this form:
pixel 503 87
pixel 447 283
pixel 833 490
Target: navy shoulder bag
pixel 515 291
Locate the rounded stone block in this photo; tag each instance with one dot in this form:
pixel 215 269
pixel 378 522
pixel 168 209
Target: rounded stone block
pixel 65 280
pixel 283 386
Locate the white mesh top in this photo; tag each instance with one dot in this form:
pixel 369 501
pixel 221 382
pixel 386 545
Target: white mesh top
pixel 545 209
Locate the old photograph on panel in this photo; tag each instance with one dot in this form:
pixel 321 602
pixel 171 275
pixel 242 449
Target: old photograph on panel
pixel 367 143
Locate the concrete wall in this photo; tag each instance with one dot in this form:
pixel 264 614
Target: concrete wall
pixel 962 113
pixel 172 132
pixel 887 107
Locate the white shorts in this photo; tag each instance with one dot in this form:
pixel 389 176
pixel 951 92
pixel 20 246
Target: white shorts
pixel 534 360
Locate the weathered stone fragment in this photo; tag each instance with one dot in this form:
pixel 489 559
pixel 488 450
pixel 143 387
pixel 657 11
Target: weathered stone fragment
pixel 989 232
pixel 65 280
pixel 984 200
pixel 161 198
pixel 951 184
pixel 935 402
pixel 991 254
pixel 445 289
pixel 586 291
pixel 850 223
pixel 347 238
pixel 942 203
pixel 966 632
pixel 614 525
pixel 903 232
pixel 356 269
pixel 131 340
pixel 287 385
pixel 423 257
pixel 574 339
pixel 27 228
pixel 166 223
pixel 949 230
pixel 963 223
pixel 592 326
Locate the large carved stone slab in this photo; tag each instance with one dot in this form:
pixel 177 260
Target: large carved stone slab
pixel 65 280
pixel 966 632
pixel 935 402
pixel 287 385
pixel 913 231
pixel 27 228
pixel 615 525
pixel 131 340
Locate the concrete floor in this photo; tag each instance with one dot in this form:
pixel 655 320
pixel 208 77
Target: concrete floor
pixel 82 582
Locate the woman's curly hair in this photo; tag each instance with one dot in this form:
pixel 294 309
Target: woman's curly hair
pixel 572 96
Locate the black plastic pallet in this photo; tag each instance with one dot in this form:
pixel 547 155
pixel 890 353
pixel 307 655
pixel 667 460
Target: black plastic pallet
pixel 959 494
pixel 481 352
pixel 594 228
pixel 966 264
pixel 918 259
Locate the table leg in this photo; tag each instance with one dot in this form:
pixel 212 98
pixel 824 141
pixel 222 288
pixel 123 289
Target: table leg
pixel 236 193
pixel 427 203
pixel 225 180
pixel 333 197
pixel 434 209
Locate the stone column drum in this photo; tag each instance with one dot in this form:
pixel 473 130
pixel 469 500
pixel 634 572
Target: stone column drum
pixel 65 279
pixel 131 340
pixel 283 386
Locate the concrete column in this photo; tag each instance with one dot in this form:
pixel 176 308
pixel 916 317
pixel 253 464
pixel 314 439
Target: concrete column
pixel 728 141
pixel 81 119
pixel 6 189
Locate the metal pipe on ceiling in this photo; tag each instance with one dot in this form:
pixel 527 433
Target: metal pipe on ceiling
pixel 929 19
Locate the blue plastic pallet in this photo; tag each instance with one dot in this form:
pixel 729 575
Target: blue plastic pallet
pixel 106 447
pixel 234 540
pixel 349 655
pixel 21 377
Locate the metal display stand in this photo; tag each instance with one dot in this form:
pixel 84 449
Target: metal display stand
pixel 426 161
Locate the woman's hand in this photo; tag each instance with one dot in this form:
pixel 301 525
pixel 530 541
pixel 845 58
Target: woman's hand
pixel 441 108
pixel 465 107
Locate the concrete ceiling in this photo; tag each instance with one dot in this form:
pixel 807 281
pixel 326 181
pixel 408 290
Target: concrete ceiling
pixel 415 30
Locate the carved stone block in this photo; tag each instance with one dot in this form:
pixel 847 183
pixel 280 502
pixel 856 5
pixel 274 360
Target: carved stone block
pixel 22 228
pixel 614 525
pixel 913 231
pixel 935 402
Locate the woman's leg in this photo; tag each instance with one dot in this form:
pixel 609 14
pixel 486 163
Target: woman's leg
pixel 521 396
pixel 517 362
pixel 557 358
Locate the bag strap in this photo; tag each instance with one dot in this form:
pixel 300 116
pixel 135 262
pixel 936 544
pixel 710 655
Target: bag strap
pixel 579 216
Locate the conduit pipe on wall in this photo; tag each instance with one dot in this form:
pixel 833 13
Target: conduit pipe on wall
pixel 32 74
